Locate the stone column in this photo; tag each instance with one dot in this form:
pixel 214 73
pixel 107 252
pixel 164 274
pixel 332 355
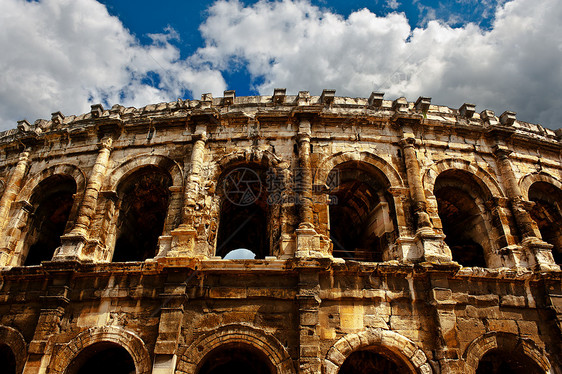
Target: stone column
pixel 89 202
pixel 416 188
pixel 74 241
pixel 432 246
pixel 541 252
pixel 308 240
pixel 13 187
pixel 309 307
pixel 173 298
pixel 183 237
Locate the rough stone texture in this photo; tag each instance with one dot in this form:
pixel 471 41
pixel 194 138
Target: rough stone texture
pixel 427 235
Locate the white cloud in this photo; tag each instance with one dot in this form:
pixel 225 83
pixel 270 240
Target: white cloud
pixel 67 54
pixel 517 65
pixel 392 4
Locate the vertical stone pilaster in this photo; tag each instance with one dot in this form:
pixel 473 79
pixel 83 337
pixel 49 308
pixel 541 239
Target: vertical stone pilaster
pixel 171 317
pixel 76 239
pixel 433 248
pixel 540 252
pixel 309 305
pixel 308 240
pixel 183 237
pixel 13 187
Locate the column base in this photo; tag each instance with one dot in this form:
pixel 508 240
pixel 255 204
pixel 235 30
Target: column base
pixel 308 242
pixel 539 254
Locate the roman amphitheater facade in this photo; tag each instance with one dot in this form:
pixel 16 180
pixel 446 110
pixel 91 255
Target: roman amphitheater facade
pixel 389 236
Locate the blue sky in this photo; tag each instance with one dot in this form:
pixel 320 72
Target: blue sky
pixel 67 54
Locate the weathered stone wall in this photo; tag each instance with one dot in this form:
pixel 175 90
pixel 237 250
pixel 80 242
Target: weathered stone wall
pixel 406 235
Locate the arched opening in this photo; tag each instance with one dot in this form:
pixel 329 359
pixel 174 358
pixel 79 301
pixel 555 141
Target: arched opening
pixel 361 212
pixel 7 359
pixel 373 362
pixel 507 362
pixel 143 198
pixel 236 358
pixel 244 214
pixel 103 357
pixel 547 214
pixel 463 215
pixel 52 202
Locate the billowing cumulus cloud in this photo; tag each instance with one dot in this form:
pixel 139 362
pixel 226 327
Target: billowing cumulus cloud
pixel 515 65
pixel 67 54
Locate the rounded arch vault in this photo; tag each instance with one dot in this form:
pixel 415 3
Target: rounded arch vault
pixel 404 349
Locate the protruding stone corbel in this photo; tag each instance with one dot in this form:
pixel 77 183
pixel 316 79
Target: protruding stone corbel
pixel 400 105
pixel 96 110
pixel 303 98
pixel 489 117
pixel 57 118
pixel 423 103
pixel 279 95
pixel 376 98
pixel 328 96
pixel 228 97
pixel 24 126
pixel 467 110
pixel 508 118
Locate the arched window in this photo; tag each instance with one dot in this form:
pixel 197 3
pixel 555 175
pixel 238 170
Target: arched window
pixel 143 199
pixel 52 202
pixel 244 214
pixel 103 357
pixel 373 362
pixel 236 359
pixel 506 362
pixel 361 212
pixel 464 216
pixel 548 215
pixel 7 359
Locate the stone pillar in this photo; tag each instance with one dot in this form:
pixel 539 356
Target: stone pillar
pixel 13 187
pixel 74 241
pixel 540 251
pixel 416 188
pixel 309 307
pixel 171 316
pixel 183 237
pixel 89 202
pixel 432 247
pixel 54 303
pixel 308 240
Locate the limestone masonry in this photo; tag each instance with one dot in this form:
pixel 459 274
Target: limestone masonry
pixel 388 236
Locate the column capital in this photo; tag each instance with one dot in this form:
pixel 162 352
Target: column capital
pixel 106 143
pixel 501 151
pixel 407 142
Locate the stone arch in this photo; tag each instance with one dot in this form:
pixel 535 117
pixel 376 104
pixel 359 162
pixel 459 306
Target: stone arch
pixel 64 169
pixel 248 156
pixel 528 180
pixel 193 355
pixel 391 174
pixel 135 163
pixel 484 179
pixel 401 346
pixel 14 339
pixel 126 339
pixel 493 340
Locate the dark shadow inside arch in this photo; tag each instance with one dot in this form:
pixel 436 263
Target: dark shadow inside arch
pixel 102 358
pixel 507 362
pixel 236 358
pixel 462 218
pixel 361 212
pixel 244 215
pixel 52 201
pixel 7 360
pixel 143 200
pixel 547 214
pixel 373 362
